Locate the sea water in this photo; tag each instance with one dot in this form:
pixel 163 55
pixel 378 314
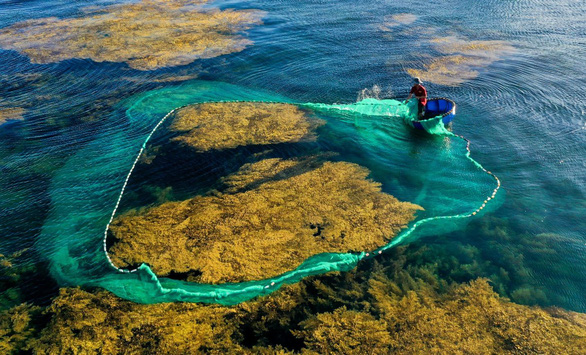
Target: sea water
pixel 514 70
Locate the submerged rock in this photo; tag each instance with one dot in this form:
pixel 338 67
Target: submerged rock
pixel 272 216
pixel 229 125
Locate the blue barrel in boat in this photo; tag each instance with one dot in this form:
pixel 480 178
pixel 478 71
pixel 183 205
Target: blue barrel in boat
pixel 438 108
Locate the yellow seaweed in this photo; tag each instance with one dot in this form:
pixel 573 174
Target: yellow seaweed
pixel 471 319
pixel 461 60
pixel 147 35
pixel 468 319
pixel 276 213
pixel 85 323
pixel 16 328
pixel 448 70
pixel 11 113
pixel 229 125
pixel 398 303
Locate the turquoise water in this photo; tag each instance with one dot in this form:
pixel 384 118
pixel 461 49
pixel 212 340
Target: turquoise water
pixel 522 111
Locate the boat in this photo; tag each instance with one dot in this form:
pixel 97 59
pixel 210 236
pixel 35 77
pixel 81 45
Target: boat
pixel 439 110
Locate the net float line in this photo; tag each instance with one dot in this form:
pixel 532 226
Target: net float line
pixel 361 255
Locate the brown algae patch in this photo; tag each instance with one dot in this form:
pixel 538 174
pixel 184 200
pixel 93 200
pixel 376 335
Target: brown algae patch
pixel 273 215
pixel 229 125
pixel 449 70
pixel 491 49
pixel 376 316
pixel 147 35
pixel 174 78
pixel 461 61
pixel 11 114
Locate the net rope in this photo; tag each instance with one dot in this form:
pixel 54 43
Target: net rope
pixel 357 107
pixel 141 284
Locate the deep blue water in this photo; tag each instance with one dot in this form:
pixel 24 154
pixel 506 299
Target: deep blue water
pixel 523 112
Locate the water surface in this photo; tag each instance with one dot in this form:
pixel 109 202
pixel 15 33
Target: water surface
pixel 521 107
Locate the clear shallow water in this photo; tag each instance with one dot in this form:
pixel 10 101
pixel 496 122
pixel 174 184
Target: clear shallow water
pixel 524 113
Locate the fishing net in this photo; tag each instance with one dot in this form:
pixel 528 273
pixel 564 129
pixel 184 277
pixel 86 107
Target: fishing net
pixel 434 171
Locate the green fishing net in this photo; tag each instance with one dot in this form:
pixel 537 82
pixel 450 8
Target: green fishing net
pixel 433 170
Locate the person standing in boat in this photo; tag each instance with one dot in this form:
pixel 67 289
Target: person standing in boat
pixel 420 94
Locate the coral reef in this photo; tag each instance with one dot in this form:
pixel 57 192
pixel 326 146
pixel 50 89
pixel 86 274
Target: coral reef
pixel 147 35
pixel 273 215
pixel 229 125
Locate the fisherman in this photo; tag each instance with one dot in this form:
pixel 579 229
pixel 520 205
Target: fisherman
pixel 420 94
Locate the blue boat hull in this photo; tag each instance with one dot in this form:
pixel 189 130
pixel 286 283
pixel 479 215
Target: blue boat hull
pixel 435 107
